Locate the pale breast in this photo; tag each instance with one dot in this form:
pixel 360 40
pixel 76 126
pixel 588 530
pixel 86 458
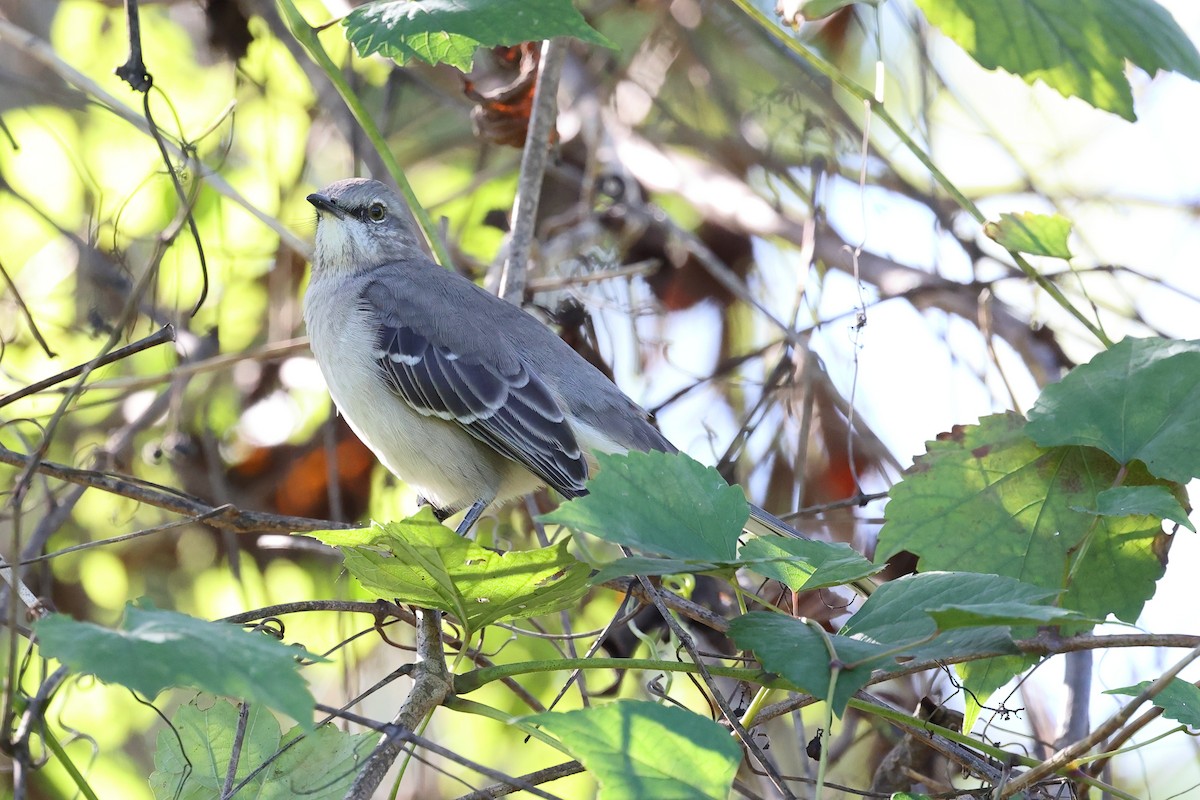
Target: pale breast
pixel 448 466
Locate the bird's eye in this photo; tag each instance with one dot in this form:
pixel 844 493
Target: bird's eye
pixel 376 212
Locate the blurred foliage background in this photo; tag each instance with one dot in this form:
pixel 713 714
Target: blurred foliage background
pixel 708 190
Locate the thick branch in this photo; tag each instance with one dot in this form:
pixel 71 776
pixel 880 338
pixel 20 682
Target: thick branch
pixel 432 684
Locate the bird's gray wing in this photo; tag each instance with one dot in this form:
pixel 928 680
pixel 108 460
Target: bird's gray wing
pixel 499 401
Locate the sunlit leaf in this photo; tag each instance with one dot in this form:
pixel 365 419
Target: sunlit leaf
pixel 1036 234
pixel 321 765
pixel 649 751
pixel 421 561
pixel 981 677
pixel 976 615
pixel 449 31
pixel 1078 47
pixel 155 649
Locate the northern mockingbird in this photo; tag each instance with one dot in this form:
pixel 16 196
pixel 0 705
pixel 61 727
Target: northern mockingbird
pixel 462 395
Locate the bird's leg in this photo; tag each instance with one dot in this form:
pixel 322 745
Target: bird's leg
pixel 473 514
pixel 440 513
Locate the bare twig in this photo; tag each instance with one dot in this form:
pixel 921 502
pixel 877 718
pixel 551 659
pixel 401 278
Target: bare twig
pixel 533 778
pixel 134 71
pixel 161 336
pixel 239 736
pixel 693 611
pixel 228 518
pixel 533 167
pixel 401 735
pixel 33 328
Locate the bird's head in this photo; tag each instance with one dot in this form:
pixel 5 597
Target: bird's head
pixel 360 224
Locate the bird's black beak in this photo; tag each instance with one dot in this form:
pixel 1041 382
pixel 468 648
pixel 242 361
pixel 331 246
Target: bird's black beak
pixel 324 204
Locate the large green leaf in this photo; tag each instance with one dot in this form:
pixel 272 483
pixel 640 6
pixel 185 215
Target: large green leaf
pixel 1179 700
pixel 985 498
pixel 660 503
pixel 449 31
pixel 803 564
pixel 157 649
pixel 321 766
pixel 649 751
pixel 421 561
pixel 1140 399
pixel 800 654
pixel 1078 47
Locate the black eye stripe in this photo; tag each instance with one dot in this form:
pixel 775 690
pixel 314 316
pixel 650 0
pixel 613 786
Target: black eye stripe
pixel 363 213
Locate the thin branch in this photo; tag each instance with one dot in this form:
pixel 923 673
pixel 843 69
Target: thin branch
pixel 1065 756
pixel 533 167
pixel 400 734
pixel 161 336
pixel 226 517
pixel 533 779
pixel 693 611
pixel 33 328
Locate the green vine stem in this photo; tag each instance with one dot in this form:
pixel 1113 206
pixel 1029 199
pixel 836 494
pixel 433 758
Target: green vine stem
pixel 860 93
pixel 306 35
pixel 470 681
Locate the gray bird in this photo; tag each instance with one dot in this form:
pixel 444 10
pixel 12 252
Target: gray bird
pixel 462 395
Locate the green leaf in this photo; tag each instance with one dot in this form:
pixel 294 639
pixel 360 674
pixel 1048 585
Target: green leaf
pixel 421 561
pixel 1078 47
pixel 449 31
pixel 985 498
pixel 804 565
pixel 1154 501
pixel 646 750
pixel 643 565
pixel 321 765
pixel 799 653
pixel 666 504
pixel 1179 700
pixel 976 615
pixel 1037 234
pixel 156 649
pixel 1140 399
pixel 900 613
